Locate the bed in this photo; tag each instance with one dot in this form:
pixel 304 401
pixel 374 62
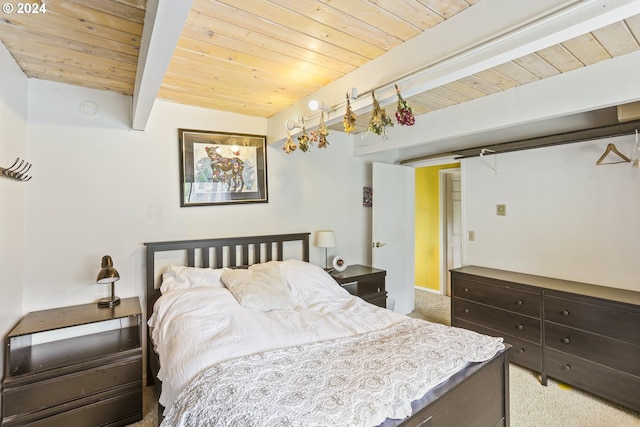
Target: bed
pixel 285 345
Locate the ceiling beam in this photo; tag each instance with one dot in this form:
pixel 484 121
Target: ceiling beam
pixel 604 84
pixel 163 23
pixel 443 53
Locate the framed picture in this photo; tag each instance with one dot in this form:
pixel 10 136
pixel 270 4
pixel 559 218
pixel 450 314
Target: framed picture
pixel 222 168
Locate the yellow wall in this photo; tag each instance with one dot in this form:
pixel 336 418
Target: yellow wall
pixel 428 225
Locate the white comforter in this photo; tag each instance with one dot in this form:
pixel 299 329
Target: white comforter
pixel 213 348
pixel 196 328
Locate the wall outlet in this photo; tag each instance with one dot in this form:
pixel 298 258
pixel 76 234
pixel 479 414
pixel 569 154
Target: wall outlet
pixel 501 210
pixel 472 236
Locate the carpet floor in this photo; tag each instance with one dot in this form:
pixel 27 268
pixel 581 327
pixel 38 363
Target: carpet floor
pixel 531 404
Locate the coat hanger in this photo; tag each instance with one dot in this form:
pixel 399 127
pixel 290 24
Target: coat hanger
pixel 611 148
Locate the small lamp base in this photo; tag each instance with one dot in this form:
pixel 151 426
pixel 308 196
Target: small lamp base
pixel 108 302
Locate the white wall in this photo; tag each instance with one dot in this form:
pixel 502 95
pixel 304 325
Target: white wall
pixel 566 217
pixel 102 189
pixel 13 137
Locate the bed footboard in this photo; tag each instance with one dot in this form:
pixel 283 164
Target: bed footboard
pixel 477 396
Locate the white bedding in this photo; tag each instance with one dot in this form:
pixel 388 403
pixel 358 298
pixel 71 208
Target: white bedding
pixel 206 336
pixel 195 328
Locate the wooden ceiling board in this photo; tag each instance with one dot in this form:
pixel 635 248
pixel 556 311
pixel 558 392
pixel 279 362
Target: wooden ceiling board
pixel 347 23
pixel 411 12
pixel 377 17
pixel 516 73
pixel 537 66
pixel 198 40
pixel 587 49
pixel 115 8
pixel 214 27
pixel 268 31
pixel 480 84
pixel 633 24
pixel 616 39
pixel 446 8
pixel 560 58
pixel 290 20
pixel 211 69
pixel 496 78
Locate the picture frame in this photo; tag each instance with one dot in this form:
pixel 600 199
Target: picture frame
pixel 220 168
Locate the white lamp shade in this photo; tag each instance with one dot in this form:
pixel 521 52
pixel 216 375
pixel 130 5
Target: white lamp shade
pixel 325 239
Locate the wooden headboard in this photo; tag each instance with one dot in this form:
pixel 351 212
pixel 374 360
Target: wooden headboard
pixel 221 252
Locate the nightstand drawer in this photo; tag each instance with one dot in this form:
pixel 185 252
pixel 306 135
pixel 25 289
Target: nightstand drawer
pixel 66 388
pixel 117 407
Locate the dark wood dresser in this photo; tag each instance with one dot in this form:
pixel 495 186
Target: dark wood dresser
pixel 366 282
pixel 75 366
pixel 584 335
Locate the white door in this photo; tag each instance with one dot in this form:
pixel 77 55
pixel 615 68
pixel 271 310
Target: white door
pixel 393 223
pixel 451 225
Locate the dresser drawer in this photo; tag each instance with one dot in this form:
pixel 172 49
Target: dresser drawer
pixel 66 388
pixel 116 407
pixel 603 320
pixel 505 322
pixel 516 300
pixel 609 383
pixel 617 354
pixel 523 353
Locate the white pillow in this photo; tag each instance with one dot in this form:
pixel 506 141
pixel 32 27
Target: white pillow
pixel 180 277
pixel 261 287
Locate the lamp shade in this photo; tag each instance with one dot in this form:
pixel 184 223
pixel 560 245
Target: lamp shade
pixel 107 274
pixel 325 239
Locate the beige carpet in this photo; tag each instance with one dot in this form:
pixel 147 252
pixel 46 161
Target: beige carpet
pixel 532 404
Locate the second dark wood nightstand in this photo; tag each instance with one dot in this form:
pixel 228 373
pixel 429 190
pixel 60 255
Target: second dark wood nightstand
pixel 365 282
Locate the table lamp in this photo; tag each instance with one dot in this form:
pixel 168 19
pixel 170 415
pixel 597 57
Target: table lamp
pixel 325 239
pixel 108 274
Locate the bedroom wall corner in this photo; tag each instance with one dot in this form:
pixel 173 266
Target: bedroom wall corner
pixel 565 217
pixel 13 139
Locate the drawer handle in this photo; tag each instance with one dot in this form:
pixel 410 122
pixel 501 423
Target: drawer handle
pixel 466 310
pixel 565 312
pixel 520 302
pixel 521 350
pixel 566 340
pixel 466 289
pixel 567 367
pixel 520 327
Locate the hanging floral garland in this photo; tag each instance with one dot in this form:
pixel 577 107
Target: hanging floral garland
pixel 320 136
pixel 303 139
pixel 379 120
pixel 404 113
pixel 349 119
pixel 289 146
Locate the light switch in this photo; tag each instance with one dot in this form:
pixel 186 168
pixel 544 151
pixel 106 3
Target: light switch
pixel 501 210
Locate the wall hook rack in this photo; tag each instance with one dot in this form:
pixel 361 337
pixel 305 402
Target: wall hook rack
pixel 18 170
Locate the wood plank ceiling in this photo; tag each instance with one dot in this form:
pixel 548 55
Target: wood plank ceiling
pixel 257 57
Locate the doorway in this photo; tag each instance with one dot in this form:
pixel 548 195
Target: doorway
pixel 431 257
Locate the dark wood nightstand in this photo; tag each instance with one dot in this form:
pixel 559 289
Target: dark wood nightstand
pixel 75 366
pixel 365 282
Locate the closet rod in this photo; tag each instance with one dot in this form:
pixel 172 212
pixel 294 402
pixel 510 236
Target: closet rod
pixel 618 129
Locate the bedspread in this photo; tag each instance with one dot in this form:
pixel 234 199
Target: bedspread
pixel 351 381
